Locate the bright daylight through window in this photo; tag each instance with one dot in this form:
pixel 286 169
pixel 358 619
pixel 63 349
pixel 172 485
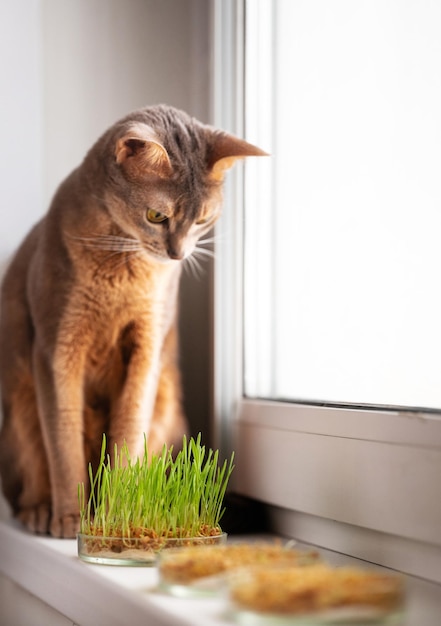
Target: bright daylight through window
pixel 342 231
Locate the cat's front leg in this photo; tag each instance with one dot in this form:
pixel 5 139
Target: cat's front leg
pixel 59 394
pixel 133 410
pixel 168 424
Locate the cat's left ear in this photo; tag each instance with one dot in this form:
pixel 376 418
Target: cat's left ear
pixel 225 150
pixel 139 151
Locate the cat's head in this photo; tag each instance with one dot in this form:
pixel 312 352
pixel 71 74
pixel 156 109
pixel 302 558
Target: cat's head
pixel 164 172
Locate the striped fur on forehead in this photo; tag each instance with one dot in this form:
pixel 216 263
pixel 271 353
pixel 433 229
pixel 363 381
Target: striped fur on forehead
pixel 184 137
pixel 191 145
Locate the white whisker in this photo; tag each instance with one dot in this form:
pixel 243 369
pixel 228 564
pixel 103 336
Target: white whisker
pixel 114 256
pixel 207 240
pixel 204 252
pixel 194 266
pixel 109 242
pixel 127 257
pixel 217 238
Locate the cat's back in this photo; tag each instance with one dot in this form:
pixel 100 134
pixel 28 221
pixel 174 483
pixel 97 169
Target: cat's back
pixel 16 328
pixel 16 275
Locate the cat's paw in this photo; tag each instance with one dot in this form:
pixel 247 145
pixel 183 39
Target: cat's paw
pixel 36 518
pixel 65 526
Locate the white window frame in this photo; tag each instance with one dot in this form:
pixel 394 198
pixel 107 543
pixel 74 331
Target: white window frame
pixel 360 481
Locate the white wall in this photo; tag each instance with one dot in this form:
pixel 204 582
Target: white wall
pixel 21 121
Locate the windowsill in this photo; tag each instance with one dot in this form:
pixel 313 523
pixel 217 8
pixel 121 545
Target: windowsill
pixel 370 478
pixel 93 595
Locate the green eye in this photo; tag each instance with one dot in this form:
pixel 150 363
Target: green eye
pixel 155 216
pixel 203 220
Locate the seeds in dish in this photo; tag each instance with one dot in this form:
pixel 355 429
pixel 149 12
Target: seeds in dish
pixel 195 562
pixel 315 588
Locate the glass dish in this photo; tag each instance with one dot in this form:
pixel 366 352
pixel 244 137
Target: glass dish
pixel 315 595
pixel 136 551
pixel 354 616
pixel 203 570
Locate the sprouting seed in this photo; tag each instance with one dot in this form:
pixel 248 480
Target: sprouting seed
pixel 158 495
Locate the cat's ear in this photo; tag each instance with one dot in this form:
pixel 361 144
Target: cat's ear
pixel 139 151
pixel 225 150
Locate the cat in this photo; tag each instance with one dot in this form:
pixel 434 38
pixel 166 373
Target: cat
pixel 88 327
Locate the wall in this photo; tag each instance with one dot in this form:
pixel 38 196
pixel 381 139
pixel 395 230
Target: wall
pixel 68 70
pixel 21 128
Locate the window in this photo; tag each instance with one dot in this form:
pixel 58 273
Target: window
pixel 342 229
pixel 328 278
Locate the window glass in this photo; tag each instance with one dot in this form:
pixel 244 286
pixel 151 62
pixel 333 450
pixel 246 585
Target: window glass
pixel 342 259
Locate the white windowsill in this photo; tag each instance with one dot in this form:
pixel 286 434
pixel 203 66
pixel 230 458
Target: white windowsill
pixel 91 595
pixel 366 482
pixel 104 595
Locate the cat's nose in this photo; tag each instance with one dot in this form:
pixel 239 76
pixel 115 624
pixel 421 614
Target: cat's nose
pixel 176 253
pixel 175 249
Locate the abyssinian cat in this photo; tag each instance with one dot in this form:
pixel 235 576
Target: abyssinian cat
pixel 88 333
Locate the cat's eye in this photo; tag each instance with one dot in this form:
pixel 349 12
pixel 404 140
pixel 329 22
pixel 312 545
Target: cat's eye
pixel 203 220
pixel 155 216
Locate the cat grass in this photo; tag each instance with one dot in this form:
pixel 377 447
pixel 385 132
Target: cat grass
pixel 155 498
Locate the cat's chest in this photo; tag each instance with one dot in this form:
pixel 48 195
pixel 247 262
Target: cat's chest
pixel 109 305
